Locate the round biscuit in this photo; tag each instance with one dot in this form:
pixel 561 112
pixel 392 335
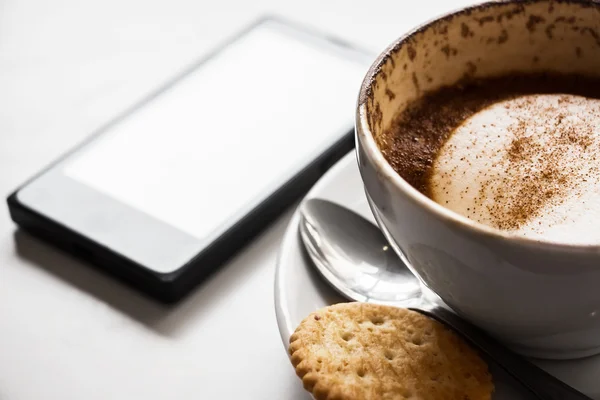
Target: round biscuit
pixel 352 351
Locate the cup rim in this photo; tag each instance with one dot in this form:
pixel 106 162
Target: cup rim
pixel 364 138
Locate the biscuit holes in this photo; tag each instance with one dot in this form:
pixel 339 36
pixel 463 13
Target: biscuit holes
pixel 377 320
pixel 360 373
pixel 367 325
pixel 317 318
pixel 388 355
pixel 346 336
pixel 407 394
pixel 434 378
pixel 417 341
pixel 467 375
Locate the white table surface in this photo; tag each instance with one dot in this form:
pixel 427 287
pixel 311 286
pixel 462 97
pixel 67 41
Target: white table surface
pixel 69 332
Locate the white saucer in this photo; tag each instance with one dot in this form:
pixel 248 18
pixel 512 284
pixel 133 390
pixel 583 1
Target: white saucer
pixel 299 290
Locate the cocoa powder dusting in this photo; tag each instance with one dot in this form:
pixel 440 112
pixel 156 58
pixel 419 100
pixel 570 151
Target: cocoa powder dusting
pixel 542 177
pixel 419 132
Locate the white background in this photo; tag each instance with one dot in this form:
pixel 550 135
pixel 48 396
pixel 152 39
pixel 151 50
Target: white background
pixel 69 332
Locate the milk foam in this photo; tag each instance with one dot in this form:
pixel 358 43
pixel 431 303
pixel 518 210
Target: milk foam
pixel 528 165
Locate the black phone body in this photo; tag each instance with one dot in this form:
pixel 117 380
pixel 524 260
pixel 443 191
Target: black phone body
pixel 168 191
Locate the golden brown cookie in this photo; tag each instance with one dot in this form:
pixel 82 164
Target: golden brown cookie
pixel 366 351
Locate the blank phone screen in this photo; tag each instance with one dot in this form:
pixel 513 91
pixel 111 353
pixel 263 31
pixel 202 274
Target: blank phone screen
pixel 232 131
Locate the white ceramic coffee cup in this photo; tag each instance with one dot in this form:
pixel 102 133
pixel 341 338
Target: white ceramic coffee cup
pixel 540 298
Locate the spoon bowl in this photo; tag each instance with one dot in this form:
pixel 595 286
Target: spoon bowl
pixel 362 267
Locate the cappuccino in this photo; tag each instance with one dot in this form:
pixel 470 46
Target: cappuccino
pixel 520 153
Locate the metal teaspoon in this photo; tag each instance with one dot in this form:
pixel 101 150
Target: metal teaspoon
pixel 354 257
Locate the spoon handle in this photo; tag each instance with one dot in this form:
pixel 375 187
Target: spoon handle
pixel 543 385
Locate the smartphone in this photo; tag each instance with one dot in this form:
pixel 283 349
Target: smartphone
pixel 169 190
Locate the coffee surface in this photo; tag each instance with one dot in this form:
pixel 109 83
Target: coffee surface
pixel 519 153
